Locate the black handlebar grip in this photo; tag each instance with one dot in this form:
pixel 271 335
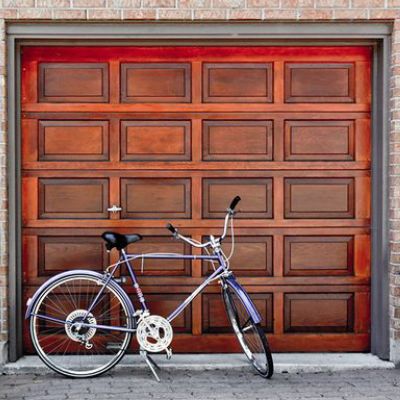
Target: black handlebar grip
pixel 234 203
pixel 171 228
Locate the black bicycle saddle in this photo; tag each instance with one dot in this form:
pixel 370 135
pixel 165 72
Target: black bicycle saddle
pixel 118 241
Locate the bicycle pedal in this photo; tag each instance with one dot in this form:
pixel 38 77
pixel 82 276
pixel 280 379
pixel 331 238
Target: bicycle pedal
pixel 168 353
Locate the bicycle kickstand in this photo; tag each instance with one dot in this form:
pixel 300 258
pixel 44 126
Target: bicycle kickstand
pixel 151 364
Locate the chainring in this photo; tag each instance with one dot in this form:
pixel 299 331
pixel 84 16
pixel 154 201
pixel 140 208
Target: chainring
pixel 154 333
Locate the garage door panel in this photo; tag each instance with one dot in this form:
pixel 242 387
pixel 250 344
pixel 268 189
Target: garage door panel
pixel 70 198
pixel 319 198
pixel 73 140
pixel 155 83
pixel 155 198
pixel 215 319
pixel 253 256
pixel 73 82
pixel 237 140
pixel 319 140
pixel 318 255
pixel 319 83
pixel 64 253
pixel 319 312
pixel 237 83
pixel 56 254
pixel 256 194
pixel 155 140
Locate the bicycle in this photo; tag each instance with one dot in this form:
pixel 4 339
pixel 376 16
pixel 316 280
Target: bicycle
pixel 89 315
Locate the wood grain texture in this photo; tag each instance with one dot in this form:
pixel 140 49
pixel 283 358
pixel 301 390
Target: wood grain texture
pixel 73 82
pixel 173 133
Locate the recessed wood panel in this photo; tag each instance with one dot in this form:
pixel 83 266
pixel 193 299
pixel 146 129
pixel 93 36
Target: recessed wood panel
pixel 155 140
pixel 237 82
pixel 73 82
pixel 162 244
pixel 319 83
pixel 155 198
pixel 155 83
pixel 319 312
pixel 215 319
pixel 237 140
pixel 73 198
pixel 318 255
pixel 64 253
pixel 73 141
pixel 256 197
pixel 164 304
pixel 319 198
pixel 252 256
pixel 319 140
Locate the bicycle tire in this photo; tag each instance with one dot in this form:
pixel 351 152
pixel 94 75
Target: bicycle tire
pixel 237 312
pixel 54 361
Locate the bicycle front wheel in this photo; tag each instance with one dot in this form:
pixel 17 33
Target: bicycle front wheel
pixel 250 334
pixel 73 351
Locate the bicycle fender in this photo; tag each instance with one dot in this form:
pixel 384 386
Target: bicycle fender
pixel 246 300
pixel 32 301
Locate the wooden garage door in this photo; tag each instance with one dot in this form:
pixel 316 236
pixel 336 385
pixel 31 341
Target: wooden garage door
pixel 173 134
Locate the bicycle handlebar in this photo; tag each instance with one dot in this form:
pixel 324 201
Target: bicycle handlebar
pixel 234 203
pixel 171 228
pixel 229 214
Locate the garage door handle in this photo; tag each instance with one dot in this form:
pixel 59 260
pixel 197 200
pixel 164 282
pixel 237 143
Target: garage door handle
pixel 114 209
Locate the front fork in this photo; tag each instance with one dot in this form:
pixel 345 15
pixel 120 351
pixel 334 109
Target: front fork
pixel 231 282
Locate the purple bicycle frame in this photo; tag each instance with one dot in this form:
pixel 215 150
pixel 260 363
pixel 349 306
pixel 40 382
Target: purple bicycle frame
pixel 125 259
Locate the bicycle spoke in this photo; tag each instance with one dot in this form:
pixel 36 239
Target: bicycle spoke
pixel 63 347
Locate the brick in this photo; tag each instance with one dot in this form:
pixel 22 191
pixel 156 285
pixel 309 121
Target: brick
pixel 18 3
pixel 195 4
pixel 350 14
pixel 332 3
pixel 245 14
pixel 175 14
pixel 210 14
pixel 313 14
pixel 297 3
pixel 367 4
pixel 69 14
pixel 279 14
pixel 123 4
pixel 159 3
pixel 53 3
pixel 11 13
pixel 34 13
pixel 88 3
pixel 228 3
pixel 263 3
pixel 383 14
pixel 104 14
pixel 139 14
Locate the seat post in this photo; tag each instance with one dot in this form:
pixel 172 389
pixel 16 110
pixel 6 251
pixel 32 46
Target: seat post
pixel 135 282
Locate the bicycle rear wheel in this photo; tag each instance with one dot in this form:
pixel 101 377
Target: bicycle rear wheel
pixel 250 334
pixel 84 352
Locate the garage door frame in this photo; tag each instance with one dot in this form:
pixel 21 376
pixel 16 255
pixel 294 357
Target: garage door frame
pixel 376 35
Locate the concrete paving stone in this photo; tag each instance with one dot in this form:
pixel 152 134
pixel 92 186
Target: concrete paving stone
pixel 207 385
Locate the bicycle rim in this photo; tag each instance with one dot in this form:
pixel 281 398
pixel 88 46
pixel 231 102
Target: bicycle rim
pixel 250 334
pixel 64 349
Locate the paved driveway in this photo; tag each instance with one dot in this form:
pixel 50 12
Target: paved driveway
pixel 212 384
